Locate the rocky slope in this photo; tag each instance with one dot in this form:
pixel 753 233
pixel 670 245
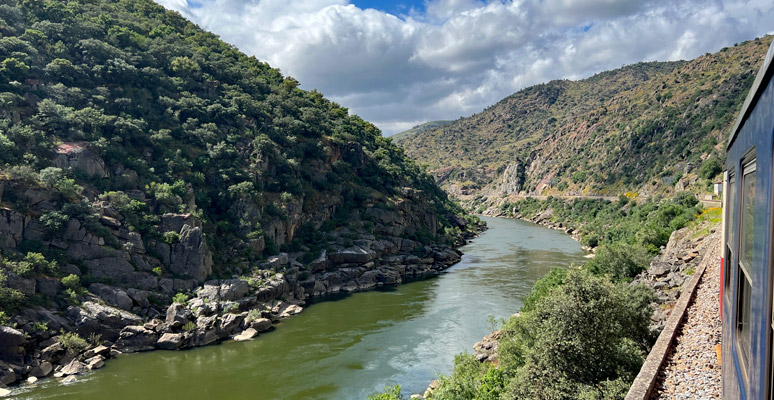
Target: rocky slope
pixel 144 160
pixel 647 128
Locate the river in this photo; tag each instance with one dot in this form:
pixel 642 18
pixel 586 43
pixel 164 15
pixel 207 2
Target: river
pixel 350 346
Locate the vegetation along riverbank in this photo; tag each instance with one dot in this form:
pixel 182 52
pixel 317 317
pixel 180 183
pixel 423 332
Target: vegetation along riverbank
pixel 584 331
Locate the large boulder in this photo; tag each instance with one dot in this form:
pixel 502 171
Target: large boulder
pixel 97 351
pixel 7 374
pixel 277 262
pixel 140 297
pixel 42 370
pixel 225 290
pixel 95 362
pixel 247 334
pixel 351 255
pixel 320 263
pixel 53 353
pixel 261 324
pixel 290 310
pixel 230 323
pixel 101 319
pixel 178 315
pixel 12 224
pixel 189 257
pixel 136 338
pixel 170 341
pixel 206 331
pixel 25 285
pixel 78 157
pixel 75 367
pixel 48 286
pixel 109 267
pixel 11 344
pixel 112 295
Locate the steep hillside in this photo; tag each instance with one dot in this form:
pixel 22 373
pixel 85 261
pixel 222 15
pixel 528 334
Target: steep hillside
pixel 427 126
pixel 141 156
pixel 645 127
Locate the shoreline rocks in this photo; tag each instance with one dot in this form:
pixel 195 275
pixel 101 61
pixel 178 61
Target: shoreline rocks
pixel 124 320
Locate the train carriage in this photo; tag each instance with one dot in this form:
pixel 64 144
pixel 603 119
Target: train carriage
pixel 747 275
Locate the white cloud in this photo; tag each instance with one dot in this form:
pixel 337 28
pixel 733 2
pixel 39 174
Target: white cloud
pixel 463 55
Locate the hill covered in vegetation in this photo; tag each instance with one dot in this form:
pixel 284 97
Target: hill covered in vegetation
pixel 646 128
pixel 427 126
pixel 141 156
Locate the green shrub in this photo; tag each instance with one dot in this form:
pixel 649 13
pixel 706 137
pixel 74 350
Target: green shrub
pixel 390 393
pixel 72 281
pixel 253 315
pixel 464 381
pixel 492 384
pixel 710 168
pixel 581 337
pixel 555 277
pixel 171 237
pixel 33 263
pixel 588 321
pixel 180 298
pixel 189 326
pixel 71 341
pixel 55 178
pixel 54 221
pixel 620 261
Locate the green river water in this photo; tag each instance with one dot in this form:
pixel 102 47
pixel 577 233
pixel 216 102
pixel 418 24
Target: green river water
pixel 350 346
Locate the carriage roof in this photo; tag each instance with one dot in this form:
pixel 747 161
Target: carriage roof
pixel 761 82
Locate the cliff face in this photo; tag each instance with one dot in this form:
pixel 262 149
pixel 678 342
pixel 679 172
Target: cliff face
pixel 647 128
pixel 142 158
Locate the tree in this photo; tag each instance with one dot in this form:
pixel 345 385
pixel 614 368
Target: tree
pixel 619 260
pixel 710 168
pixel 585 332
pixel 14 70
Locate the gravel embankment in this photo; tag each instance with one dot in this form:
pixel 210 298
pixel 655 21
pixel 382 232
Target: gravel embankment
pixel 692 371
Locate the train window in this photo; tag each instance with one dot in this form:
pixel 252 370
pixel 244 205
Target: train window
pixel 730 218
pixel 744 290
pixel 744 271
pixel 748 217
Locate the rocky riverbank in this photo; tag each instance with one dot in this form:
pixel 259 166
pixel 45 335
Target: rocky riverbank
pixel 106 320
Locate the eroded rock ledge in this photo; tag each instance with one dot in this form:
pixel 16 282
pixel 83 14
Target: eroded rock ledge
pixel 125 320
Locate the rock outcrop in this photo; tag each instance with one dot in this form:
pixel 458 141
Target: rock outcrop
pixel 78 157
pixel 189 258
pixel 673 268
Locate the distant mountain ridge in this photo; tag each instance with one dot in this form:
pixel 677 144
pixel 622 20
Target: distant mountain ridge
pixel 648 128
pixel 427 126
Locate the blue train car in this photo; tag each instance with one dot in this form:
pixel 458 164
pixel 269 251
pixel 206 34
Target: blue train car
pixel 747 272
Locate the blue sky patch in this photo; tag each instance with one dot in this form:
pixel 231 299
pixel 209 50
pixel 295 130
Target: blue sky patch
pixel 397 8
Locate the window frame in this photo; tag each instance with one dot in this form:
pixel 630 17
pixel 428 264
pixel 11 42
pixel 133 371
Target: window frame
pixel 731 238
pixel 744 350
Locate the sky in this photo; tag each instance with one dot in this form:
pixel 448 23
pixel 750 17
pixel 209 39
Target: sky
pixel 401 63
